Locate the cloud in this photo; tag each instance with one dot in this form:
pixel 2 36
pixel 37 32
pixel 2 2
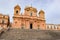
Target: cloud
pixel 52 12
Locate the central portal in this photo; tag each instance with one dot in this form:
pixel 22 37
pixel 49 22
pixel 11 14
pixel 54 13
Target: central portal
pixel 31 26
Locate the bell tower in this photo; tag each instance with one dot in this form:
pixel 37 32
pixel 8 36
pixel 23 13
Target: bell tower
pixel 17 10
pixel 41 14
pixel 42 18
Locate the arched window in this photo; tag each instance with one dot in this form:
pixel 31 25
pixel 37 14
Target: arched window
pixel 2 21
pixel 31 14
pixel 51 26
pixel 47 26
pixel 57 27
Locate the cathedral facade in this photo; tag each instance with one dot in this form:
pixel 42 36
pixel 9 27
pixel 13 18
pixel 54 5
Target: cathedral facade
pixel 29 19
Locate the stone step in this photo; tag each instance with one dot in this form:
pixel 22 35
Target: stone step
pixel 25 34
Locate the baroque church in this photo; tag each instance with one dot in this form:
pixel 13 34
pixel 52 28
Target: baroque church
pixel 29 19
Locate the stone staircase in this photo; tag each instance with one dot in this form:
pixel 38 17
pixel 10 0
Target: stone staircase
pixel 30 34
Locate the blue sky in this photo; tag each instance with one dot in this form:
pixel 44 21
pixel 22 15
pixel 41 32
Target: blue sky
pixel 51 8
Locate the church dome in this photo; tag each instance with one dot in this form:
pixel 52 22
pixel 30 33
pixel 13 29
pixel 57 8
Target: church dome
pixel 17 6
pixel 31 8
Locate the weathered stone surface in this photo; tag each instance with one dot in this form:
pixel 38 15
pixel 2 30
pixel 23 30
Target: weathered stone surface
pixel 26 34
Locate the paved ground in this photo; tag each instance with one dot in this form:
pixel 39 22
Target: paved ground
pixel 25 34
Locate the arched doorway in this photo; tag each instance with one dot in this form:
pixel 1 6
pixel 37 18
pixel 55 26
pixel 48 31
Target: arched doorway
pixel 31 26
